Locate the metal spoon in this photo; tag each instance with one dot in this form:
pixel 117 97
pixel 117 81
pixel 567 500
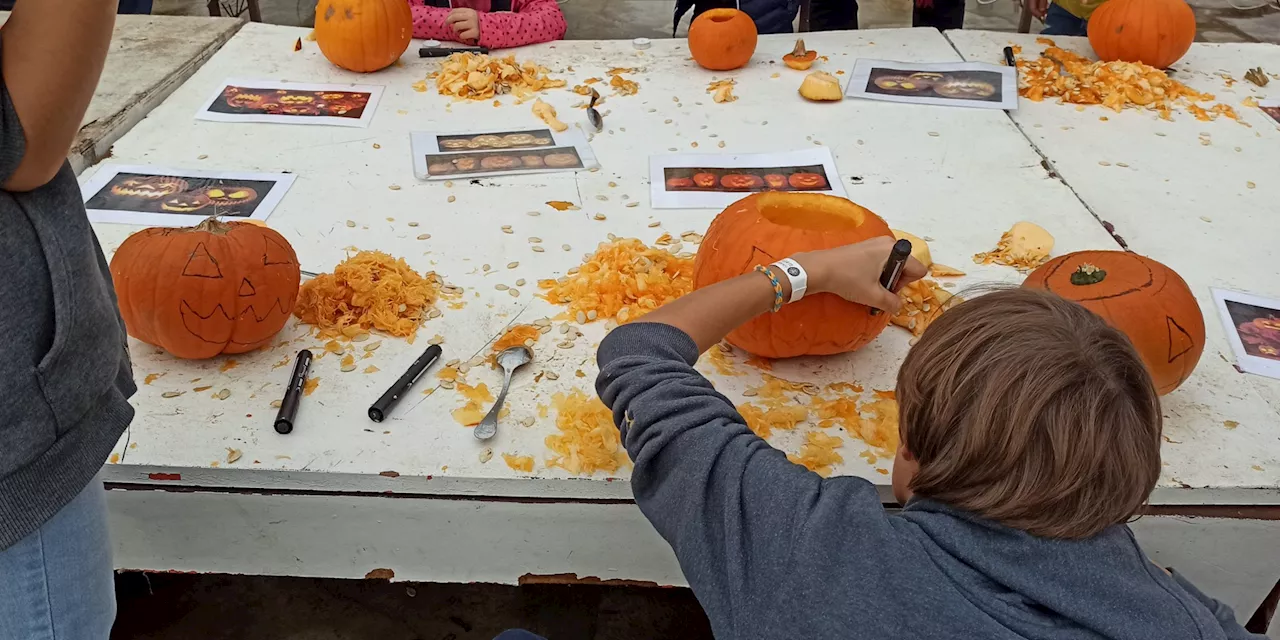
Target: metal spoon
pixel 510 359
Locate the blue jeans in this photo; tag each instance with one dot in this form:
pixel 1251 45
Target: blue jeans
pixel 56 584
pixel 1060 22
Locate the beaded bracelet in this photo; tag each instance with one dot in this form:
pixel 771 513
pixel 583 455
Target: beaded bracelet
pixel 777 287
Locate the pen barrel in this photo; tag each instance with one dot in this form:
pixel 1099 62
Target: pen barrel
pixel 293 394
pixel 379 410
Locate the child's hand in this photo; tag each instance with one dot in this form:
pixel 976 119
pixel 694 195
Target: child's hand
pixel 853 272
pixel 465 23
pixel 1038 8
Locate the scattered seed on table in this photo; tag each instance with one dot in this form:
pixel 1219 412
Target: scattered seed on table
pixel 424 236
pixel 599 216
pixel 446 384
pixel 485 267
pixel 565 345
pixel 667 121
pixel 362 336
pixel 1237 149
pixel 1160 134
pixel 390 219
pixel 612 237
pixel 486 455
pixel 566 247
pixel 434 313
pixel 413 224
pixel 501 287
pixel 533 213
pixel 448 184
pixel 655 223
pixel 672 149
pixel 538 249
pixel 694 144
pixel 512 265
pixel 436 340
pixel 1122 164
pixel 535 239
pixel 551 375
pixel 612 184
pixel 275 404
pixel 373 346
pixel 632 205
pixel 933 134
pixel 602 198
pixel 202 156
pixel 818 142
pixel 351 223
pixel 1250 184
pixel 1206 218
pixel 1104 163
pixel 348 368
pixel 377 146
pixel 506 228
pixel 223 394
pixel 593 169
pixel 764 123
pixel 564 328
pixel 452 198
pixel 520 282
pixel 171 394
pixel 514 293
pixel 394 187
pixel 581 317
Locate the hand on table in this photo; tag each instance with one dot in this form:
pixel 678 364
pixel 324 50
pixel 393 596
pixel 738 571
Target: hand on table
pixel 853 272
pixel 465 23
pixel 1038 8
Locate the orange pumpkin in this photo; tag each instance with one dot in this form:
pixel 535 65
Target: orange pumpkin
pixel 1154 32
pixel 363 35
pixel 679 183
pixel 776 181
pixel 741 181
pixel 218 287
pixel 704 180
pixel 1146 300
pixel 766 227
pixel 722 39
pixel 807 181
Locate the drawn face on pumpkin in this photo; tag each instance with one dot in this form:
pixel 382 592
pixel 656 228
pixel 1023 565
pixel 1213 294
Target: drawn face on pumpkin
pixel 331 96
pixel 339 108
pixel 185 202
pixel 149 187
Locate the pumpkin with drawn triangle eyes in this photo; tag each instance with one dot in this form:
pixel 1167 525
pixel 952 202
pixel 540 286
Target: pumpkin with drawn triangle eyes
pixel 196 292
pixel 775 181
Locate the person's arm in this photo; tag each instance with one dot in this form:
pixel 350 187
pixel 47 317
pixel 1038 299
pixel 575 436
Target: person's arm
pixel 732 507
pixel 429 23
pixel 529 22
pixel 1225 616
pixel 51 55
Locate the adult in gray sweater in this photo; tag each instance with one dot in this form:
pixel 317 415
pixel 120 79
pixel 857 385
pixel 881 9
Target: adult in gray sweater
pixel 1030 433
pixel 65 377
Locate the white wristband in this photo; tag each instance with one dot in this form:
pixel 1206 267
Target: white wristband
pixel 796 276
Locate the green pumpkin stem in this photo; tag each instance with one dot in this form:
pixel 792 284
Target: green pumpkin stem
pixel 1087 274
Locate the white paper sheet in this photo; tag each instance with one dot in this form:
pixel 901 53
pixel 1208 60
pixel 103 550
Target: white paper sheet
pixel 696 181
pixel 1252 324
pixel 160 196
pixel 339 105
pixel 950 84
pixel 471 154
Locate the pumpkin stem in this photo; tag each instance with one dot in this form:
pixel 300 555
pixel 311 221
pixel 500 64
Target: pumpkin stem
pixel 800 49
pixel 213 225
pixel 1087 274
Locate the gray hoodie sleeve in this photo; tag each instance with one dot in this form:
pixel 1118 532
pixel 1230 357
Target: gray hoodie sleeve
pixel 1226 617
pixel 733 508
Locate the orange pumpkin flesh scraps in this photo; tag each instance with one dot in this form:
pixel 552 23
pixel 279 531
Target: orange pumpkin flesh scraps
pixel 478 399
pixel 471 76
pixel 370 290
pixel 1025 246
pixel 523 464
pixel 1146 300
pixel 821 86
pixel 766 227
pixel 363 35
pixel 624 279
pixel 800 58
pixel 722 39
pixel 218 287
pixel 922 302
pixel 1154 32
pixel 517 336
pixel 818 453
pixel 587 441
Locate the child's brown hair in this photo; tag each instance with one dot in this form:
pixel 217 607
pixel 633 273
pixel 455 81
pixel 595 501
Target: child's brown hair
pixel 1028 409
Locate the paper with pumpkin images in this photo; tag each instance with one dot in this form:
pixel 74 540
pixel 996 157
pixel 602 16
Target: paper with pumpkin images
pixel 1271 107
pixel 342 105
pixel 157 196
pixel 715 181
pixel 449 156
pixel 952 84
pixel 1252 324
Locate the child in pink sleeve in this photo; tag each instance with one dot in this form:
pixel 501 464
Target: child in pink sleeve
pixel 496 24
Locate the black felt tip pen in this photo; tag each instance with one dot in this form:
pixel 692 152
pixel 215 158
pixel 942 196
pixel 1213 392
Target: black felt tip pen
pixel 389 399
pixel 293 394
pixel 893 267
pixel 1009 59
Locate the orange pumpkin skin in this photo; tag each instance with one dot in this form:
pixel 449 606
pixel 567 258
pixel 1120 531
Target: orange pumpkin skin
pixel 765 227
pixel 1146 300
pixel 722 39
pixel 1154 32
pixel 704 180
pixel 363 35
pixel 219 287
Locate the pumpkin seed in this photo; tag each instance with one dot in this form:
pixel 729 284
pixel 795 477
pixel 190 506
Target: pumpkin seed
pixel 351 223
pixel 613 184
pixel 347 368
pixel 551 375
pixel 486 455
pixel 694 144
pixel 451 199
pixel 527 421
pixel 485 267
pixel 464 368
pixel 535 239
pixel 1104 163
pixel 1122 164
pixel 672 149
pixel 515 293
pixel 434 313
pixel 223 395
pixel 413 224
pixel 360 337
pixel 202 156
pixel 581 317
pixel 810 388
pixel 655 223
pixel 506 228
pixel 667 121
pixel 233 455
pixel 591 315
pixel 1250 184
pixel 424 236
pixel 501 287
pixel 529 342
pixel 721 145
pixel 599 216
pixel 566 247
pixel 933 134
pixel 750 393
pixel 564 328
pixel 448 184
pixel 436 340
pixel 171 394
pixel 602 198
pixel 520 282
pixel 275 404
pixel 394 187
pixel 373 346
pixel 512 265
pixel 533 213
pixel 565 345
pixel 447 384
pixel 202 389
pixel 538 249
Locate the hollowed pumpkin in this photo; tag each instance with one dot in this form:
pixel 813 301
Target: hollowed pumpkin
pixel 722 39
pixel 766 227
pixel 218 287
pixel 363 35
pixel 1154 32
pixel 1146 300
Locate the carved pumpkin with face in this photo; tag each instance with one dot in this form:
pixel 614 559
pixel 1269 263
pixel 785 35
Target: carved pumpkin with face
pixel 967 89
pixel 299 110
pixel 704 180
pixel 210 289
pixel 679 183
pixel 741 181
pixel 807 181
pixel 229 195
pixel 149 187
pixel 245 101
pixel 900 83
pixel 296 98
pixel 776 181
pixel 185 202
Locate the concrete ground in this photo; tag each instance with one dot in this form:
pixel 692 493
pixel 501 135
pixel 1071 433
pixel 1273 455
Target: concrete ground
pixel 1219 20
pixel 181 607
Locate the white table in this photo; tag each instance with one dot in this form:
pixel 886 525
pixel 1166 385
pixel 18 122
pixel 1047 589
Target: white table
pixel 317 502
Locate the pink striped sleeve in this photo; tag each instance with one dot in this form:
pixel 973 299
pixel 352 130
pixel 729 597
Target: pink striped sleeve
pixel 529 22
pixel 428 23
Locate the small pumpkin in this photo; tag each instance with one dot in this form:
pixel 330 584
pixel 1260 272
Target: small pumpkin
pixel 900 83
pixel 769 226
pixel 1146 300
pixel 679 183
pixel 821 86
pixel 196 292
pixel 775 181
pixel 704 180
pixel 363 35
pixel 808 181
pixel 722 39
pixel 741 181
pixel 800 57
pixel 1154 32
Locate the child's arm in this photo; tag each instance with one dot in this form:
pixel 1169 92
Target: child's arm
pixel 429 23
pixel 1226 617
pixel 732 507
pixel 529 22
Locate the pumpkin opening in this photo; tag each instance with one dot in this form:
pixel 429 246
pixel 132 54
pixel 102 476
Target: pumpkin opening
pixel 721 15
pixel 811 212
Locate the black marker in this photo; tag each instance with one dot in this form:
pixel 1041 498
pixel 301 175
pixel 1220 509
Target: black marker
pixel 389 399
pixel 293 394
pixel 1008 57
pixel 444 52
pixel 893 267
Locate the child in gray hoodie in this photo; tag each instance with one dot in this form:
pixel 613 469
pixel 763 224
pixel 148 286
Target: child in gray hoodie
pixel 1030 435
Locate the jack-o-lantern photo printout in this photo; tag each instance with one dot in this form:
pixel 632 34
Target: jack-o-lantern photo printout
pixel 951 84
pixel 1252 324
pixel 715 181
pixel 341 105
pixel 1271 107
pixel 132 194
